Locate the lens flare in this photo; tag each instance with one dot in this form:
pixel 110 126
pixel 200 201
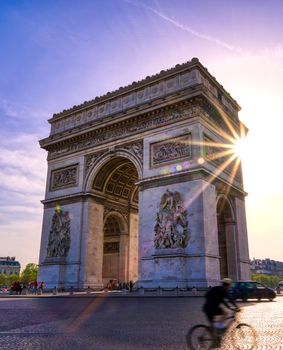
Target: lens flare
pixel 58 208
pixel 240 147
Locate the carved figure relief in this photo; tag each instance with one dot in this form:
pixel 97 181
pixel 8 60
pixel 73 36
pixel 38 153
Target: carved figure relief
pixel 90 160
pixel 64 177
pixel 170 150
pixel 59 236
pixel 171 228
pixel 136 148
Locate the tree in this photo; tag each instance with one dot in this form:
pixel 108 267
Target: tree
pixel 12 278
pixel 267 280
pixel 29 273
pixel 3 279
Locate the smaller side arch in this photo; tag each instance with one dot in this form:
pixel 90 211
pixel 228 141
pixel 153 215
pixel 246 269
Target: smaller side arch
pixel 227 237
pixel 224 204
pixel 120 218
pixel 115 249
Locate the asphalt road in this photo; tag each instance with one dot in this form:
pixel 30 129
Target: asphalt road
pixel 105 323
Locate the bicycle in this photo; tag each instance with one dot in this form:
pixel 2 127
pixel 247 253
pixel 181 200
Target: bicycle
pixel 242 335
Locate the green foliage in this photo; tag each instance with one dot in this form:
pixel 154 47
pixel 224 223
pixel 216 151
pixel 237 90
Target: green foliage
pixel 3 279
pixel 267 280
pixel 7 280
pixel 29 274
pixel 12 278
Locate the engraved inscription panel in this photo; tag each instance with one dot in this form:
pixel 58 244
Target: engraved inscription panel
pixel 171 150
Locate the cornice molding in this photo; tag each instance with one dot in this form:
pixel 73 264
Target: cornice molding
pixel 161 85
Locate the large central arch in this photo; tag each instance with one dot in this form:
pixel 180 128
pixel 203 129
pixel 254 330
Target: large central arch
pixel 114 189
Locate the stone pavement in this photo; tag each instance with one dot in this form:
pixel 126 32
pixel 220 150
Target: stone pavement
pixel 103 323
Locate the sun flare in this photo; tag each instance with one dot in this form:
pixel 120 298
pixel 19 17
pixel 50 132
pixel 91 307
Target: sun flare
pixel 240 147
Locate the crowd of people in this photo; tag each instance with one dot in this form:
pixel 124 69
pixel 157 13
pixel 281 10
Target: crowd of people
pixel 117 285
pixel 30 288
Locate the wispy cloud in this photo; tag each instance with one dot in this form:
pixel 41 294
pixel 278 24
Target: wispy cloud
pixel 186 28
pixel 21 111
pixel 22 173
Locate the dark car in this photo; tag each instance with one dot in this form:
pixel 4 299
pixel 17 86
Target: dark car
pixel 251 290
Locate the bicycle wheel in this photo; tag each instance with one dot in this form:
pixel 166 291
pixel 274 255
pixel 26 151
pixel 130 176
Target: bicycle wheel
pixel 199 338
pixel 243 337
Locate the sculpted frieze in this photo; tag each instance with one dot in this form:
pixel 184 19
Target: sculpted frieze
pixel 171 228
pixel 101 136
pixel 128 100
pixel 173 149
pixel 64 177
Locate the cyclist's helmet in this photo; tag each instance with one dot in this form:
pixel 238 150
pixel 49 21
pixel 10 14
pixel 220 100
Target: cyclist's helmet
pixel 227 281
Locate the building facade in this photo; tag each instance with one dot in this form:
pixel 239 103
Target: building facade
pixel 143 184
pixel 267 267
pixel 9 266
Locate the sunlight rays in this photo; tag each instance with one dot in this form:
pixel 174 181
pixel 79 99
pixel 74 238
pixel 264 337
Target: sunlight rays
pixel 220 157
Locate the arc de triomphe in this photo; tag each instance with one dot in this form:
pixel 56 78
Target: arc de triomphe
pixel 143 184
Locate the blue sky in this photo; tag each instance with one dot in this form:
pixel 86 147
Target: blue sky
pixel 56 54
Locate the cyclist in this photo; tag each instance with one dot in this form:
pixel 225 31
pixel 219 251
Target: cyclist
pixel 215 298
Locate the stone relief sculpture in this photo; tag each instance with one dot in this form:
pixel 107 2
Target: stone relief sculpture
pixel 64 177
pixel 171 227
pixel 137 149
pixel 171 150
pixel 59 236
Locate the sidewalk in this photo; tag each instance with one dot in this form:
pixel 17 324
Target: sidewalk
pixel 141 293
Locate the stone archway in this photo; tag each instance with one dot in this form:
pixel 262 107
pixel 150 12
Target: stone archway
pixel 227 242
pixel 163 133
pixel 115 191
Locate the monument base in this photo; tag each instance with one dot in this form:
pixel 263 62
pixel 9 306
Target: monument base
pixel 173 268
pixel 56 272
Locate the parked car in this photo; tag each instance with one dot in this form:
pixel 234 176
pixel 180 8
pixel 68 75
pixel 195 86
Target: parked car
pixel 251 290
